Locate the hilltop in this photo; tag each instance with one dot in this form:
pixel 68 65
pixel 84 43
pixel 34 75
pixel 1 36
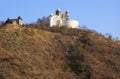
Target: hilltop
pixel 42 52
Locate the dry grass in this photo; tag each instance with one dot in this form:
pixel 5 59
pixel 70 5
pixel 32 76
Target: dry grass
pixel 34 52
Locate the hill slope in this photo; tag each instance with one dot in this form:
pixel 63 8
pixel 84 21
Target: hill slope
pixel 31 52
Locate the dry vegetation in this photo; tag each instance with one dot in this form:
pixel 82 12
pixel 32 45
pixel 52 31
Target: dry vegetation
pixel 34 52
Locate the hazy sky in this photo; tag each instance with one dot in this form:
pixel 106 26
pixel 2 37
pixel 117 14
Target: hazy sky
pixel 100 15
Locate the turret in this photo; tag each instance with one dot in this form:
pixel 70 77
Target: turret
pixel 7 21
pixel 20 21
pixel 20 18
pixel 67 14
pixel 58 12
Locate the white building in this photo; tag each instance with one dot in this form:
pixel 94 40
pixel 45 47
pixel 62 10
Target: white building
pixel 60 20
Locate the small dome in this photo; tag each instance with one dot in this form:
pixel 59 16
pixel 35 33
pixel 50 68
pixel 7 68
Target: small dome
pixel 58 9
pixel 67 11
pixel 19 17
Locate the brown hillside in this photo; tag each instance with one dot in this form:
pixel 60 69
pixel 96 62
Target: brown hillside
pixel 33 52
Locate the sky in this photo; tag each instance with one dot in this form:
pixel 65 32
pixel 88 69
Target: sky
pixel 102 16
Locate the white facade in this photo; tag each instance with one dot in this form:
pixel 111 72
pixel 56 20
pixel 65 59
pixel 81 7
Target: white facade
pixel 60 20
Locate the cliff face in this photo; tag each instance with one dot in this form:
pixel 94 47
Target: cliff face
pixel 33 52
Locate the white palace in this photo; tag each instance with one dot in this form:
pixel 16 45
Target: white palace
pixel 60 20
